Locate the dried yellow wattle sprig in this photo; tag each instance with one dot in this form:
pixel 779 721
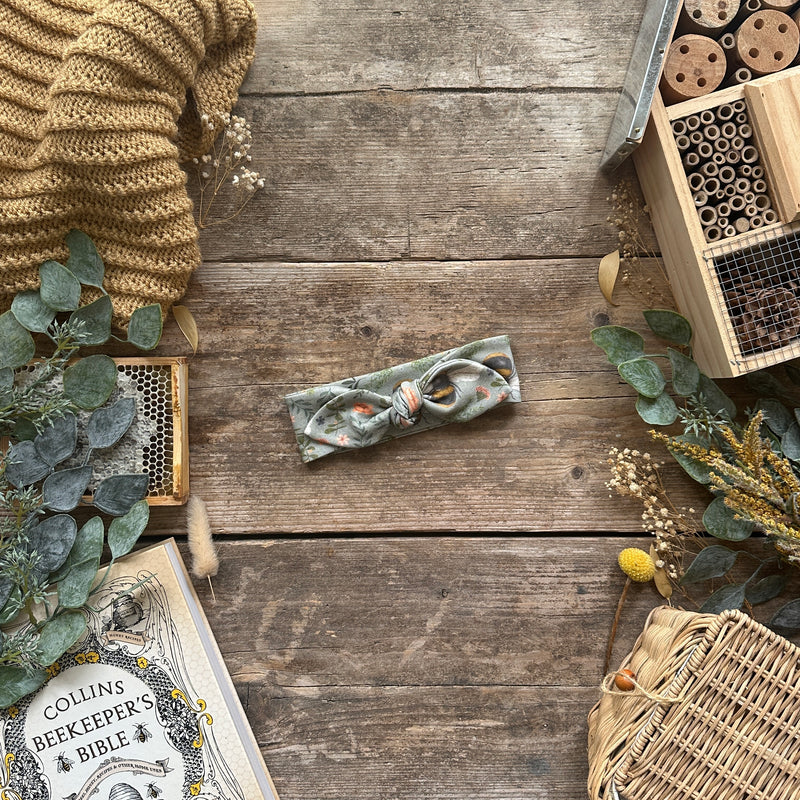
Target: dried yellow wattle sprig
pixel 758 484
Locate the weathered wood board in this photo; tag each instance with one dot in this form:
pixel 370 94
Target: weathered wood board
pixel 270 328
pixel 422 667
pixel 310 47
pixel 389 175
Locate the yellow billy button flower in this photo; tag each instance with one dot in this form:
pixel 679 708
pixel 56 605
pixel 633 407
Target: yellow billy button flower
pixel 637 564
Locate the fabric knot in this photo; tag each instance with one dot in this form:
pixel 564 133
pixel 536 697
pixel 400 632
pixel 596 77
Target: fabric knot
pixel 406 404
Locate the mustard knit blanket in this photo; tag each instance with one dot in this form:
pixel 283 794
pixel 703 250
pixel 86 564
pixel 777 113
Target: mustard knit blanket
pixel 99 102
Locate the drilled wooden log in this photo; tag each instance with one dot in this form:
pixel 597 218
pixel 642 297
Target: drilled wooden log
pixel 695 65
pixel 706 17
pixel 767 41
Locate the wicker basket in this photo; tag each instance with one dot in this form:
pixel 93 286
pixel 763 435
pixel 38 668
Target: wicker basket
pixel 716 714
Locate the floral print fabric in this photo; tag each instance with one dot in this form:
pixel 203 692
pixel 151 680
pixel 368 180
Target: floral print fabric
pixel 454 386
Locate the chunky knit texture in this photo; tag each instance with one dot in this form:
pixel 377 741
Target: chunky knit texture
pixel 99 102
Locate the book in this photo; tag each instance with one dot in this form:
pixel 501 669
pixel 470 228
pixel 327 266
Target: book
pixel 140 708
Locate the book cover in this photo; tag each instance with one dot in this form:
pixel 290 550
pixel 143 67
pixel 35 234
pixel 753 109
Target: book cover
pixel 141 707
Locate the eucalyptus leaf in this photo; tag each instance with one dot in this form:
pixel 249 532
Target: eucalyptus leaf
pixel 59 634
pixel 788 617
pixel 6 379
pixel 84 261
pixel 17 347
pixel 716 399
pixel 711 562
pixel 24 465
pixel 765 384
pixel 82 564
pixel 116 494
pixel 644 375
pixel 766 589
pixel 57 441
pixel 669 325
pixel 59 289
pixel 659 410
pixel 695 469
pixel 90 381
pixel 123 532
pixel 16 682
pixel 720 521
pixel 685 373
pixel 777 417
pixel 32 312
pixel 96 321
pixel 108 424
pixel 793 372
pixel 62 490
pixel 25 430
pixel 790 442
pixel 619 344
pixel 144 328
pixel 727 597
pixel 52 539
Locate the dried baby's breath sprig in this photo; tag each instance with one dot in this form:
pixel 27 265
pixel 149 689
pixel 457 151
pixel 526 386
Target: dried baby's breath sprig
pixel 630 217
pixel 226 169
pixel 636 474
pixel 205 562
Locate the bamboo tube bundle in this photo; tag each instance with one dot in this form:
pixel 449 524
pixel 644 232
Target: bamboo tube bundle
pixel 723 169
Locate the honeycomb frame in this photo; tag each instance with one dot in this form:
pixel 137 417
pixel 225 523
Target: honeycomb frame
pixel 162 389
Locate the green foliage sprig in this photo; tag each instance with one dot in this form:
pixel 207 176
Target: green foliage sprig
pixel 751 469
pixel 48 564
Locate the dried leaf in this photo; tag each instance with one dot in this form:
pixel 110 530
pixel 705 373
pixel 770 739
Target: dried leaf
pixel 607 275
pixel 187 325
pixel 660 579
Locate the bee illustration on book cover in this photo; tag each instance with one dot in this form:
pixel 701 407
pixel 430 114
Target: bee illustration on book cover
pixel 119 717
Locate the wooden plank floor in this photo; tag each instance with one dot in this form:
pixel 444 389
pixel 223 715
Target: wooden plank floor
pixel 426 618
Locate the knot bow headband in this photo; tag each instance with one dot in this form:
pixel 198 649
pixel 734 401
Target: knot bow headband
pixel 453 386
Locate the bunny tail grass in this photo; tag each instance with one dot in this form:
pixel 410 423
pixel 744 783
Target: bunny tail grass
pixel 205 562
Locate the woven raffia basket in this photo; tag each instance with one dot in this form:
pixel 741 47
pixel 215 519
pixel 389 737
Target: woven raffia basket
pixel 716 714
